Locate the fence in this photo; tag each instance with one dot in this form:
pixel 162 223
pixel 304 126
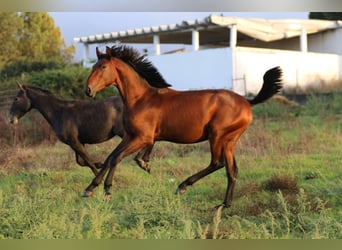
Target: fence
pixel 31 130
pixel 6 97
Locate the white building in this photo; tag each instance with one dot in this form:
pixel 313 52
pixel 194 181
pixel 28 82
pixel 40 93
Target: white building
pixel 234 53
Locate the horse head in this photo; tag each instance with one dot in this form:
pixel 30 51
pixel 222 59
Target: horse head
pixel 103 73
pixel 21 104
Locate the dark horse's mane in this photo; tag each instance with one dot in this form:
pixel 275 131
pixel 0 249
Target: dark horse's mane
pixel 140 64
pixel 47 93
pixel 44 91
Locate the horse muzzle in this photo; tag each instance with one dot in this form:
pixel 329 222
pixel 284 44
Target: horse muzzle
pixel 13 120
pixel 90 92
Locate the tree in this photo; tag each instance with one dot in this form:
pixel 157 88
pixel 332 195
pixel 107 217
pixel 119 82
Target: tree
pixel 42 40
pixel 326 15
pixel 30 41
pixel 10 25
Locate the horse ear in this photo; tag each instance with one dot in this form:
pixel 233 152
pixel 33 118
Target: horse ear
pixel 98 53
pixel 108 51
pixel 20 86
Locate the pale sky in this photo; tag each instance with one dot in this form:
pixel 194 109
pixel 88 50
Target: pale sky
pixel 76 24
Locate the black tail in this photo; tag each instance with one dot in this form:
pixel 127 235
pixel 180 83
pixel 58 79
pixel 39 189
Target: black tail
pixel 271 86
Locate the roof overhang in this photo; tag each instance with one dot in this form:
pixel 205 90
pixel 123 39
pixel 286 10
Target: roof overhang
pixel 214 29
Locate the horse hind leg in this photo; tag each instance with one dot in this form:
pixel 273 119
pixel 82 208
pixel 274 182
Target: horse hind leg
pixel 217 162
pixel 82 157
pixel 231 172
pixel 196 177
pixel 143 157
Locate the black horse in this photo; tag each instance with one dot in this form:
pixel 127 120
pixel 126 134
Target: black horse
pixel 76 123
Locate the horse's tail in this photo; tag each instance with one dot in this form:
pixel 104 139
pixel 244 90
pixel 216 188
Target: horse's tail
pixel 271 86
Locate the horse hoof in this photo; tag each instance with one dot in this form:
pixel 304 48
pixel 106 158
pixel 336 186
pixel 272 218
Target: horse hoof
pixel 87 193
pixel 220 207
pixel 180 190
pixel 107 197
pixel 98 165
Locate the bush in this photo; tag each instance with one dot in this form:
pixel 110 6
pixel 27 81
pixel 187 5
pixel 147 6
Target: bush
pixel 68 82
pixel 17 68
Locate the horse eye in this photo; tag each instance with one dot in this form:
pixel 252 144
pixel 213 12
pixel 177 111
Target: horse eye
pixel 16 99
pixel 103 66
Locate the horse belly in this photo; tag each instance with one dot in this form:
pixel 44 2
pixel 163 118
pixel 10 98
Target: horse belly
pixel 184 132
pixel 95 134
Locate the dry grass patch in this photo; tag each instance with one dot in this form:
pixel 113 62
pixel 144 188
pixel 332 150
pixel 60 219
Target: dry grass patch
pixel 284 183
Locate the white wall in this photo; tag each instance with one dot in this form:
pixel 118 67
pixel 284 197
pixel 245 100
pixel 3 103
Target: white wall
pixel 202 69
pixel 212 68
pixel 299 69
pixel 326 42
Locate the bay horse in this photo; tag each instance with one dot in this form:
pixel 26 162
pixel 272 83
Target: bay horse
pixel 76 122
pixel 155 112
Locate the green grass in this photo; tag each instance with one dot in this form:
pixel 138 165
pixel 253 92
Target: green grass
pixel 288 187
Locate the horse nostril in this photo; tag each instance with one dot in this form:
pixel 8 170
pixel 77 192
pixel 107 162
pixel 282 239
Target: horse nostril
pixel 13 120
pixel 88 91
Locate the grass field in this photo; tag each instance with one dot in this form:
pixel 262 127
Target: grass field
pixel 289 185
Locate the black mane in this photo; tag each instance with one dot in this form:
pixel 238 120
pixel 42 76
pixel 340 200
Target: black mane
pixel 140 64
pixel 44 91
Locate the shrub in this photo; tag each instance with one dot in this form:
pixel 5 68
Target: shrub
pixel 17 68
pixel 68 82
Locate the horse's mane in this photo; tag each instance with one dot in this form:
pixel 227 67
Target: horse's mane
pixel 35 88
pixel 140 64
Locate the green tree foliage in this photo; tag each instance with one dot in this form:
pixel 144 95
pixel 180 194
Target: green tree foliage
pixel 30 41
pixel 42 40
pixel 10 25
pixel 326 15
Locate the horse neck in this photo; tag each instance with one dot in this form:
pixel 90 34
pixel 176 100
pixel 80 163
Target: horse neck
pixel 131 85
pixel 47 105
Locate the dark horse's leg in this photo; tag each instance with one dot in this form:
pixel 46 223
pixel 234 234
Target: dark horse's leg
pixel 83 163
pixel 143 157
pixel 82 157
pixel 126 147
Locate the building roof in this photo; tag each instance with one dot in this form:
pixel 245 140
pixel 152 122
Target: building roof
pixel 214 30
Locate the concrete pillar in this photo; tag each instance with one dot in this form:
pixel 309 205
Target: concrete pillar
pixel 156 44
pixel 85 54
pixel 233 35
pixel 232 44
pixel 195 40
pixel 303 41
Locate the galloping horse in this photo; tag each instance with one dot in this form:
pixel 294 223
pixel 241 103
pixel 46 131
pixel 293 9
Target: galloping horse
pixel 155 112
pixel 76 122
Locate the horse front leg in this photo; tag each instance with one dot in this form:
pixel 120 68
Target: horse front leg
pixel 126 147
pixel 98 177
pixel 130 147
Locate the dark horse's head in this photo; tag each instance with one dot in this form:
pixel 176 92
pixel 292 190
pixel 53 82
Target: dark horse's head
pixel 20 106
pixel 104 71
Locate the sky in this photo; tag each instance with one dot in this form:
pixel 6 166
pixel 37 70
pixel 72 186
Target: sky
pixel 77 24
